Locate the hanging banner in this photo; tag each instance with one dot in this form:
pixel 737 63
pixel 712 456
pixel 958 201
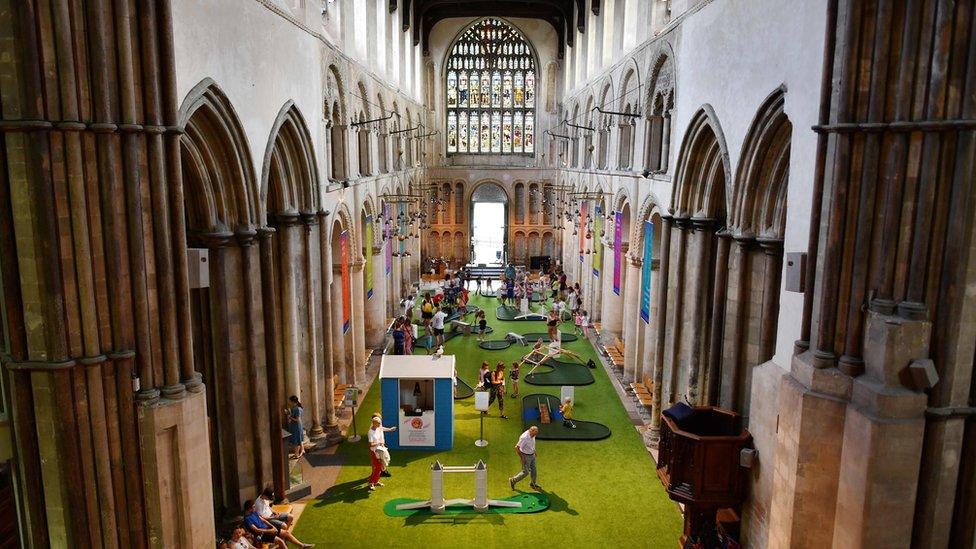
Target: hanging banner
pixel 618 234
pixel 344 253
pixel 368 255
pixel 387 236
pixel 582 229
pixel 597 241
pixel 645 298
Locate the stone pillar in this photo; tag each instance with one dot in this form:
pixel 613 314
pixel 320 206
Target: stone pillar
pixel 615 313
pixel 702 237
pixel 272 348
pixel 376 305
pixel 340 366
pixel 660 321
pixel 713 352
pixel 879 471
pixel 676 309
pixel 736 314
pixel 358 320
pixel 631 317
pixel 327 332
pixel 289 237
pixel 311 267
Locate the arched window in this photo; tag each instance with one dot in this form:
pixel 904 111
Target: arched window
pixel 491 89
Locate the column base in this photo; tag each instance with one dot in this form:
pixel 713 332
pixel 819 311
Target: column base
pixel 175 450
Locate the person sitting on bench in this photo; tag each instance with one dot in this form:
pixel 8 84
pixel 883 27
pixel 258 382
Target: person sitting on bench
pixel 265 532
pixel 263 507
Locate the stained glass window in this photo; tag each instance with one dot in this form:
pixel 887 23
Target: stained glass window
pixel 491 91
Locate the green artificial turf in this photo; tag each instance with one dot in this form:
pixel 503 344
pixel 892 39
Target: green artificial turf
pixel 560 372
pixel 602 493
pixel 555 430
pixel 532 502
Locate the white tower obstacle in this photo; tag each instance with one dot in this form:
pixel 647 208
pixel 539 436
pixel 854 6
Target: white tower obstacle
pixel 437 503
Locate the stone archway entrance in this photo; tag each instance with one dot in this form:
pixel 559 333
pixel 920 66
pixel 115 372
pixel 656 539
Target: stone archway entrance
pixel 489 224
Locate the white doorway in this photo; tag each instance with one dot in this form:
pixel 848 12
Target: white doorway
pixel 488 232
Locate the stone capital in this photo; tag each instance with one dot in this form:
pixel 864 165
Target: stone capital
pixel 246 237
pixel 286 219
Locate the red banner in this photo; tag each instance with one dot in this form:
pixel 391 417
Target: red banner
pixel 346 295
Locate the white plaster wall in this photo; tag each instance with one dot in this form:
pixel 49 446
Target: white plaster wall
pixel 258 58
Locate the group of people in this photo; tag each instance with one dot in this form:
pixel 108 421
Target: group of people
pixel 493 381
pixel 262 525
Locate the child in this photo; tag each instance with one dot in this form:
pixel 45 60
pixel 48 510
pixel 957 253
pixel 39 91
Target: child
pixel 566 409
pixel 482 325
pixel 578 321
pixel 514 375
pixel 585 323
pixel 481 377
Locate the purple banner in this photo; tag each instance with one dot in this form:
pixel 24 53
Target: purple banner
pixel 618 222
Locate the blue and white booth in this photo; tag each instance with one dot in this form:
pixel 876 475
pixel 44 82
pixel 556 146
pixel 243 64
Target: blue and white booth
pixel 418 391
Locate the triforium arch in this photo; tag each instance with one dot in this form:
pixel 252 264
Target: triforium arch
pixel 223 215
pixel 289 177
pixel 336 122
pixel 744 333
pixel 694 255
pixel 628 102
pixel 603 125
pixel 657 109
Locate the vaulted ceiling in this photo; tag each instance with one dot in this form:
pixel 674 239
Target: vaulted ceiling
pixel 420 16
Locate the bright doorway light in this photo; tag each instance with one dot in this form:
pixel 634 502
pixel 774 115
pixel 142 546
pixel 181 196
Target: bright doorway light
pixel 488 232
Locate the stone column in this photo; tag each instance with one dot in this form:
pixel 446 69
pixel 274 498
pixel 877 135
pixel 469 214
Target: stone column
pixel 772 270
pixel 340 365
pixel 272 349
pixel 312 266
pixel 289 237
pixel 676 310
pixel 660 321
pixel 327 332
pixel 358 320
pixel 879 471
pixel 613 321
pixel 713 353
pixel 633 349
pixel 702 237
pixel 737 309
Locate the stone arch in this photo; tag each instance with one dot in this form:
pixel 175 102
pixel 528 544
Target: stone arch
pixel 759 194
pixel 603 125
pixel 382 137
pixel 702 175
pixel 657 111
pixel 588 120
pixel 289 175
pixel 217 168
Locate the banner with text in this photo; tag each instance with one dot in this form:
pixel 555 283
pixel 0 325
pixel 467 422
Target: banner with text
pixel 346 296
pixel 645 298
pixel 597 241
pixel 368 255
pixel 618 221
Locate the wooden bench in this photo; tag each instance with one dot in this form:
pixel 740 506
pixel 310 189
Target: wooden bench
pixel 645 385
pixel 615 352
pixel 597 328
pixel 339 393
pixel 369 354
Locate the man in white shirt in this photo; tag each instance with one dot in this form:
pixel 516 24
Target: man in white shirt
pixel 408 307
pixel 525 448
pixel 437 323
pixel 377 444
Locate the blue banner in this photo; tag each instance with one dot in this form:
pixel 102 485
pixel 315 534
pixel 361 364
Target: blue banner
pixel 645 298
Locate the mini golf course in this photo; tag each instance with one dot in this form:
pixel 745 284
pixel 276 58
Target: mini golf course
pixel 555 430
pixel 532 502
pixel 601 493
pixel 559 372
pixel 530 338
